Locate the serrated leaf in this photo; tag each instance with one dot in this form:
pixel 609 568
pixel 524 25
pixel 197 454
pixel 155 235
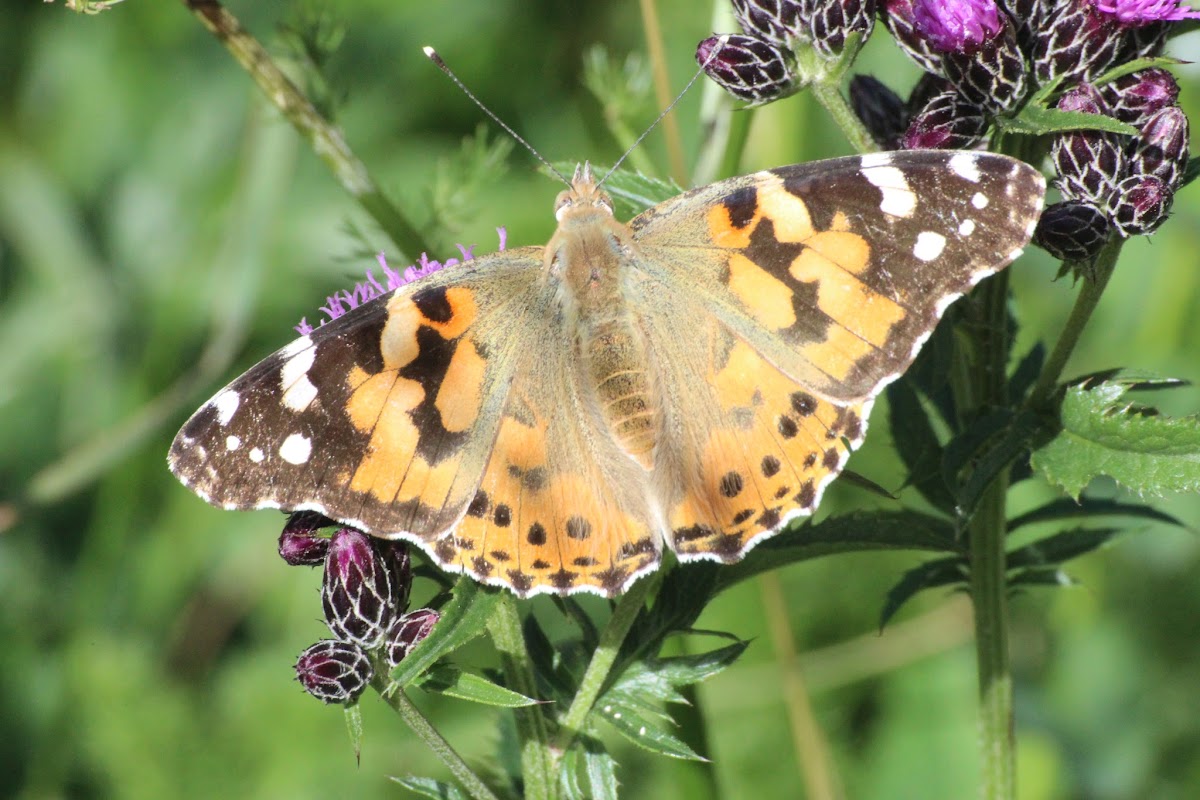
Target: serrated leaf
pixel 857 531
pixel 632 192
pixel 929 575
pixel 637 729
pixel 657 679
pixel 428 787
pixel 453 682
pixel 1014 442
pixel 1143 451
pixel 354 726
pixel 462 619
pixel 1036 120
pixel 588 772
pixel 1065 508
pixel 1137 65
pixel 1061 547
pixel 918 445
pixel 1131 379
pixel 680 598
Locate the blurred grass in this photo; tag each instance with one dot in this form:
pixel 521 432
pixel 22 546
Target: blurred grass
pixel 152 209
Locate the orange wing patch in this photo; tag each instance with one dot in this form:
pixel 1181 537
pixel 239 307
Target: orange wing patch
pixel 771 463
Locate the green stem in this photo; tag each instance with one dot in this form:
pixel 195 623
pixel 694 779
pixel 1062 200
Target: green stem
pixel 986 531
pixel 538 767
pixel 1095 279
pixel 836 104
pixel 596 675
pixel 325 138
pixel 398 700
pixel 662 89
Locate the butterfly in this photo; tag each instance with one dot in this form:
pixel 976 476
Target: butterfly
pixel 548 419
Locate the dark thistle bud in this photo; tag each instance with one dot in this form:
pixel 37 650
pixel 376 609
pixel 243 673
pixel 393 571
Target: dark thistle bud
pixel 882 112
pixel 897 16
pixel 979 50
pixel 1162 148
pixel 1135 97
pixel 948 122
pixel 831 21
pixel 1089 163
pixel 396 558
pixel 1076 42
pixel 776 21
pixel 1139 205
pixel 357 590
pixel 1072 230
pixel 407 631
pixel 1030 18
pixel 334 672
pixel 299 544
pixel 750 69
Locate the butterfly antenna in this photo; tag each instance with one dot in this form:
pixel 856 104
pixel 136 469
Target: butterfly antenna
pixel 432 55
pixel 664 113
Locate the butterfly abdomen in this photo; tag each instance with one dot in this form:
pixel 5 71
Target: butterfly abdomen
pixel 616 363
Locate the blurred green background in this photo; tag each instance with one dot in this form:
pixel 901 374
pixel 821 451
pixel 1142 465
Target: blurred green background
pixel 161 229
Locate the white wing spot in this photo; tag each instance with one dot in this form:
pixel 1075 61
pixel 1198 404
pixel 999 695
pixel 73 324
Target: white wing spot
pixel 295 347
pixel 233 443
pixel 898 199
pixel 875 160
pixel 966 166
pixel 1015 254
pixel 929 245
pixel 296 449
pixel 979 200
pixel 967 227
pixel 226 404
pixel 257 455
pixel 298 390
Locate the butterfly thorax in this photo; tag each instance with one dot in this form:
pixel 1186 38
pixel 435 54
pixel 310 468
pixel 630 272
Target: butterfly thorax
pixel 589 256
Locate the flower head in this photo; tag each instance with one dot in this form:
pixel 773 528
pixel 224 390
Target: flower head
pixel 334 672
pixel 957 26
pixel 357 589
pixel 1135 13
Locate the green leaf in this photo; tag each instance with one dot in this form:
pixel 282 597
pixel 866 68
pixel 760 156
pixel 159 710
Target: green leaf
pixel 354 726
pixel 1191 171
pixel 1010 443
pixel 657 679
pixel 453 682
pixel 1137 65
pixel 631 724
pixel 1036 120
pixel 1039 576
pixel 632 192
pixel 463 618
pixel 1135 446
pixel 1026 372
pixel 428 787
pixel 929 575
pixel 1054 550
pixel 857 531
pixel 588 772
pixel 1065 508
pixel 917 444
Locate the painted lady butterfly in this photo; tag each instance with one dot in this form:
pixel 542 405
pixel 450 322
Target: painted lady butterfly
pixel 548 418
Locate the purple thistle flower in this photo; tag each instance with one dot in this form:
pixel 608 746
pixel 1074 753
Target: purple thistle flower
pixel 1135 13
pixel 958 26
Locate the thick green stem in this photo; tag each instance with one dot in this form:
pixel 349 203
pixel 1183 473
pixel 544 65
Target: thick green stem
pixel 1095 279
pixel 986 532
pixel 538 767
pixel 596 675
pixel 398 700
pixel 325 138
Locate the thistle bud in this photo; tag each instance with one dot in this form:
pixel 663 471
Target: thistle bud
pixel 299 543
pixel 1139 204
pixel 396 558
pixel 750 69
pixel 1089 163
pixel 947 122
pixel 775 21
pixel 897 16
pixel 334 672
pixel 1077 42
pixel 831 21
pixel 1072 230
pixel 407 631
pixel 882 112
pixel 1162 148
pixel 357 590
pixel 1135 97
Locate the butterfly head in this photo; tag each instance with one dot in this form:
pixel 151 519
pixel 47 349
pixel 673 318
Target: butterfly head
pixel 585 197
